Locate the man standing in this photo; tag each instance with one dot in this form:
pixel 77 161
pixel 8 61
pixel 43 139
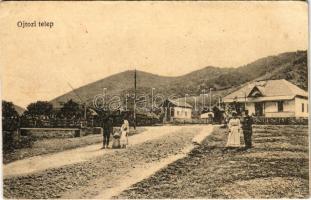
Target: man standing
pixel 247 123
pixel 108 128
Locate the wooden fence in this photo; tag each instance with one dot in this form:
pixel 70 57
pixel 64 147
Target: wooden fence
pixel 53 123
pixel 280 121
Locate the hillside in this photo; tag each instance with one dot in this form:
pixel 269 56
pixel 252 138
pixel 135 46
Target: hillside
pixel 117 84
pixel 20 110
pixel 291 66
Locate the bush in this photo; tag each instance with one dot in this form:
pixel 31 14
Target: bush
pixel 10 124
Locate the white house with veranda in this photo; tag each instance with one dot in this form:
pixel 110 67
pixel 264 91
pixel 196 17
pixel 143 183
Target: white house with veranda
pixel 270 98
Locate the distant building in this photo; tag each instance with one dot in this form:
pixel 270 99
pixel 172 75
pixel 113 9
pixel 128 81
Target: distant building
pixel 176 110
pixel 271 98
pixel 207 115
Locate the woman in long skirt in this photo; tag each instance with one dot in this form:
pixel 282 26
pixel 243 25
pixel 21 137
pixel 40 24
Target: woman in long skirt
pixel 125 129
pixel 234 126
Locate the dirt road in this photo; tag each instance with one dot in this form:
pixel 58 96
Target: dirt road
pixel 39 163
pixel 93 173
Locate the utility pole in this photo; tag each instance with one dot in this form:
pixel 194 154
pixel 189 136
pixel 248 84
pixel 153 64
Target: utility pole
pixel 219 102
pixel 105 99
pixel 85 111
pixel 210 99
pixel 152 98
pixel 203 97
pixel 135 99
pixel 186 99
pixel 126 96
pixel 244 101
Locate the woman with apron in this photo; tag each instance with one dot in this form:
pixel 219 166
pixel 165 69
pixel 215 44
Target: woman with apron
pixel 125 129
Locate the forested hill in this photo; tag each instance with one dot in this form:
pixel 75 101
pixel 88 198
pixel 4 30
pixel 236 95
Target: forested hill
pixel 291 66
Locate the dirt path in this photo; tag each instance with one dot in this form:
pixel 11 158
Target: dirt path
pixel 140 173
pixel 39 163
pixel 104 188
pixel 108 175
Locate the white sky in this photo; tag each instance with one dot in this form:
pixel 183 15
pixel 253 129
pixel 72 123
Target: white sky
pixel 92 40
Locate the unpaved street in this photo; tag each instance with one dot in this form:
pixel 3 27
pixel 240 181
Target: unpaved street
pixel 39 163
pixel 93 173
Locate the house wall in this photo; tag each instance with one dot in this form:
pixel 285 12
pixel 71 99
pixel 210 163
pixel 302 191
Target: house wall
pixel 291 108
pixel 298 107
pixel 271 109
pixel 182 113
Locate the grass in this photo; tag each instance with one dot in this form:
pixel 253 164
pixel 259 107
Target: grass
pixel 277 167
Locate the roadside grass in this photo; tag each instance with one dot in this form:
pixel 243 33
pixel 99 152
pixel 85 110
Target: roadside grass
pixel 277 167
pixel 54 145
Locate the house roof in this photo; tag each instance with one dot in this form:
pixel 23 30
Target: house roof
pixel 179 103
pixel 269 90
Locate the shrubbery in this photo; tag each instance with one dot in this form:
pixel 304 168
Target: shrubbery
pixel 10 124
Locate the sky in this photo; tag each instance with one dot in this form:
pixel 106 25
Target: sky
pixel 92 40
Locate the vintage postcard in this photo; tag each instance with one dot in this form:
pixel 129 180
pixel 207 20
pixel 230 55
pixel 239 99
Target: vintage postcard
pixel 154 99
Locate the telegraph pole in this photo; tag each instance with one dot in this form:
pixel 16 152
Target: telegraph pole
pixel 126 100
pixel 219 102
pixel 152 89
pixel 105 99
pixel 203 99
pixel 210 99
pixel 244 101
pixel 85 111
pixel 135 99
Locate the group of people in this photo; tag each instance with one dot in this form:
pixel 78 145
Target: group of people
pixel 120 138
pixel 236 126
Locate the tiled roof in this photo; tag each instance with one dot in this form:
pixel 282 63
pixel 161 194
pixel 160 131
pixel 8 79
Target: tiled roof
pixel 180 103
pixel 269 88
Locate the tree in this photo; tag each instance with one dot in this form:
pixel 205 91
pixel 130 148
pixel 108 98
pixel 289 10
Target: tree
pixel 8 110
pixel 71 109
pixel 40 108
pixel 10 123
pixel 10 116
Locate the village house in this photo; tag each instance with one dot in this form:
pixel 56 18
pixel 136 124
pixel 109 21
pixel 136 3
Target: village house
pixel 176 110
pixel 270 98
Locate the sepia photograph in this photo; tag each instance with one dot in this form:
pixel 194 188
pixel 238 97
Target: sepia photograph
pixel 154 99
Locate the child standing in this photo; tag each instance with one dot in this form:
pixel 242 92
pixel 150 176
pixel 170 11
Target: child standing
pixel 125 129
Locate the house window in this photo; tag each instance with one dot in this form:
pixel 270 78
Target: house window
pixel 186 113
pixel 178 112
pixel 302 107
pixel 280 106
